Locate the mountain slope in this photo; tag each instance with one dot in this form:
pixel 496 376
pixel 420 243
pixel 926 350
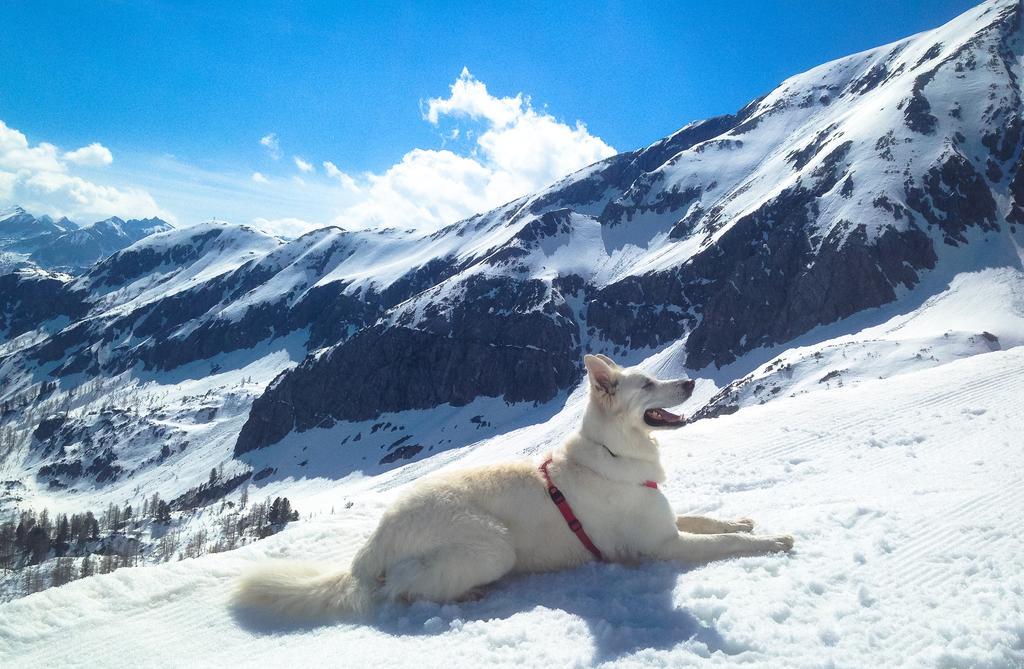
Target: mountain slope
pixel 835 193
pixel 851 197
pixel 902 495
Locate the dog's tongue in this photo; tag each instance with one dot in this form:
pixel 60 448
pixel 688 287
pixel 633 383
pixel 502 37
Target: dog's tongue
pixel 663 415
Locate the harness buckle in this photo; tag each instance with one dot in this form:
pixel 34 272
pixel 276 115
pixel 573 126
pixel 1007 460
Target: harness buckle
pixel 556 495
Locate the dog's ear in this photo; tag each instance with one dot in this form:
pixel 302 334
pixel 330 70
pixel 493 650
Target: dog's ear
pixel 602 375
pixel 611 363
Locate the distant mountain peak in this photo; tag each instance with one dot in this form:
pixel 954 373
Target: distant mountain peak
pixel 64 245
pixel 14 210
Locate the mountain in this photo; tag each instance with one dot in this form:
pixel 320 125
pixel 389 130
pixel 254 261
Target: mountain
pixel 21 233
pixel 84 247
pixel 838 266
pixel 903 494
pixel 868 211
pixel 63 245
pixel 843 188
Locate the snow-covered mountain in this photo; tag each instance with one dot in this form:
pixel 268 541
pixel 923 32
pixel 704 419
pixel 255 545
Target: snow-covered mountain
pixel 871 177
pixel 843 188
pixel 63 245
pixel 21 233
pixel 84 247
pixel 904 495
pixel 859 226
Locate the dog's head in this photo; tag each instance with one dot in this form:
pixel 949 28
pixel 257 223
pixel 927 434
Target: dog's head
pixel 633 397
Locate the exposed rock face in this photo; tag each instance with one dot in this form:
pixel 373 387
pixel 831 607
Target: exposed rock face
pixel 21 231
pixel 77 249
pixel 29 298
pixel 954 197
pixel 503 338
pixel 767 268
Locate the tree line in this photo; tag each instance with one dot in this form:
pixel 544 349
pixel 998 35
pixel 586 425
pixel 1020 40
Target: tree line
pixel 50 550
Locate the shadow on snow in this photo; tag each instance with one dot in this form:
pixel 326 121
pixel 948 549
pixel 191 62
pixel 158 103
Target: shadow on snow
pixel 626 609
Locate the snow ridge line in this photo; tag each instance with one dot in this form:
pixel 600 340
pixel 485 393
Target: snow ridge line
pixel 951 532
pixel 1001 380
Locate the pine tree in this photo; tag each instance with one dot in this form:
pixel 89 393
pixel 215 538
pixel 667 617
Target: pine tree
pixel 163 512
pixel 63 571
pixel 88 568
pixel 63 529
pixel 93 526
pixel 8 550
pixel 108 563
pixel 37 542
pixel 154 503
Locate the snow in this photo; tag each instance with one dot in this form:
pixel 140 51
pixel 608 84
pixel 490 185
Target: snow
pixel 215 250
pixel 903 495
pixel 977 312
pixel 900 479
pixel 199 410
pixel 888 443
pixel 734 174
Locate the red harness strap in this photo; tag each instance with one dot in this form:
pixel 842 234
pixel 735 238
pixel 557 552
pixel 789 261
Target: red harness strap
pixel 574 524
pixel 563 505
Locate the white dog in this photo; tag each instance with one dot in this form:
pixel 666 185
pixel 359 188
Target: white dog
pixel 595 498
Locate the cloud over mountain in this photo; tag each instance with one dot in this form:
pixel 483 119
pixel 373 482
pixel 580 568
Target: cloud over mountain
pixel 40 177
pixel 517 149
pixel 492 149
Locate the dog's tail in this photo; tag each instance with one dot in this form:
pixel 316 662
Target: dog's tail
pixel 303 591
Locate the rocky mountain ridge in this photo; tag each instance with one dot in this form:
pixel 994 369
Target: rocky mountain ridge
pixel 846 187
pixel 63 245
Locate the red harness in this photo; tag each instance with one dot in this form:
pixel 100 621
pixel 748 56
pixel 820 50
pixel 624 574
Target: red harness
pixel 570 518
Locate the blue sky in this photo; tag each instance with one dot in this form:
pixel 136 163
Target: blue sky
pixel 181 93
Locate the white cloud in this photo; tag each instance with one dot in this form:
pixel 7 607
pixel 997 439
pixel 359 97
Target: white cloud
pixel 520 150
pixel 426 189
pixel 285 227
pixel 75 197
pixel 38 178
pixel 17 154
pixel 492 149
pixel 469 97
pixel 94 155
pixel 272 144
pixel 8 180
pixel 345 180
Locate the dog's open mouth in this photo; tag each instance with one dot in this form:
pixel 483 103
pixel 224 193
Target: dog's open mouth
pixel 663 418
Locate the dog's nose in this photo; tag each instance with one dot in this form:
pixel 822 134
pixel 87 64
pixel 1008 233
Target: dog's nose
pixel 688 385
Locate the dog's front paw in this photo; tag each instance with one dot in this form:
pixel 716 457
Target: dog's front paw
pixel 742 525
pixel 782 543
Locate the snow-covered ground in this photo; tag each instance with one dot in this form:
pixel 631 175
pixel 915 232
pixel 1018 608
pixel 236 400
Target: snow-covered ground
pixel 889 442
pixel 905 496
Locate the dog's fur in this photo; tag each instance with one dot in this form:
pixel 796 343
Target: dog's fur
pixel 453 533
